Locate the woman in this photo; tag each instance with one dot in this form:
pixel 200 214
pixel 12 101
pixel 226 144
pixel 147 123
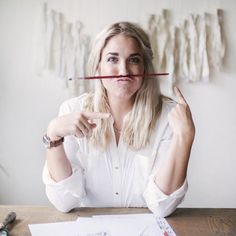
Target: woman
pixel 125 145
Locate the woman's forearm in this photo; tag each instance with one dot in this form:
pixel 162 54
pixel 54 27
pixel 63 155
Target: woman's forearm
pixel 173 169
pixel 58 164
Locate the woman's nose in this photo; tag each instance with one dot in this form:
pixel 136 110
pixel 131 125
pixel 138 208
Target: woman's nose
pixel 123 68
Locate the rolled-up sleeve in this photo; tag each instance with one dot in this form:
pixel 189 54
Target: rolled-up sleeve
pixel 66 194
pixel 161 204
pixel 158 202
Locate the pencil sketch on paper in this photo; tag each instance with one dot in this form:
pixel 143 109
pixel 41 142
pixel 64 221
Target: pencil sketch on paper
pixel 97 234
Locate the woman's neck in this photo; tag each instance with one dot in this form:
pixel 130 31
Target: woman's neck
pixel 119 108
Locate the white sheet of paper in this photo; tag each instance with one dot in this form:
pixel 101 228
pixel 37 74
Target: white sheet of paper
pixel 132 224
pixel 57 229
pixel 101 225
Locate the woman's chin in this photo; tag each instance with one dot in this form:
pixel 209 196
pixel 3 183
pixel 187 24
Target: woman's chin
pixel 124 94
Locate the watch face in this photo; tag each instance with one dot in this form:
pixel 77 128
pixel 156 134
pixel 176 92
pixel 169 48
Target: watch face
pixel 3 232
pixel 46 141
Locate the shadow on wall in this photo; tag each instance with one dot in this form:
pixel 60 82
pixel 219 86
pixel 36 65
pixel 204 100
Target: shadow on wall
pixel 3 169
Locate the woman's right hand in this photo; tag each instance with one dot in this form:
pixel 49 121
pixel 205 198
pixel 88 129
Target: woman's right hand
pixel 79 124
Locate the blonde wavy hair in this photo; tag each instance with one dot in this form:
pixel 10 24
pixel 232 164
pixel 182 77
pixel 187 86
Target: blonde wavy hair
pixel 140 121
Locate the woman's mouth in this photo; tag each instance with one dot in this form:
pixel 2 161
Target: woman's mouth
pixel 127 78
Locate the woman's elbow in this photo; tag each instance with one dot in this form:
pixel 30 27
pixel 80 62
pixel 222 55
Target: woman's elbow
pixel 63 203
pixel 161 211
pixel 63 208
pixel 165 208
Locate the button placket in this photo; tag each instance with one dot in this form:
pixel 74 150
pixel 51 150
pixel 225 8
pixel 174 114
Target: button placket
pixel 116 178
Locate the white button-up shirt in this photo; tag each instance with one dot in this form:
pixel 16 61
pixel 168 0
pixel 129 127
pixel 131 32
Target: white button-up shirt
pixel 116 177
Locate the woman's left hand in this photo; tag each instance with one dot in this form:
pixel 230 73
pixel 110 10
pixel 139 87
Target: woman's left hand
pixel 180 118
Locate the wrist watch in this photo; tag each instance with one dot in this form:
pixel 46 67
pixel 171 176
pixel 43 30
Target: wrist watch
pixel 48 143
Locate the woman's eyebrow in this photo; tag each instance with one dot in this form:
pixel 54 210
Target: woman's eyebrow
pixel 112 53
pixel 117 54
pixel 135 54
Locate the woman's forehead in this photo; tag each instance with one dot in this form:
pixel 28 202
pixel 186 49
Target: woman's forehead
pixel 122 43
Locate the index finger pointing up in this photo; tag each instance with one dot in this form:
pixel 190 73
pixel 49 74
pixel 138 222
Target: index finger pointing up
pixel 181 99
pixel 96 115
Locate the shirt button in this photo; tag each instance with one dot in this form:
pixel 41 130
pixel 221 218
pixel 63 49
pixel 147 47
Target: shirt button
pixel 117 193
pixel 116 167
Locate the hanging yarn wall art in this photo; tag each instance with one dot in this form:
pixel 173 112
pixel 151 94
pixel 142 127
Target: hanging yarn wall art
pixel 62 48
pixel 189 52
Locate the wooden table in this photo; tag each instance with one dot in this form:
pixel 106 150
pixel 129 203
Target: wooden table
pixel 184 221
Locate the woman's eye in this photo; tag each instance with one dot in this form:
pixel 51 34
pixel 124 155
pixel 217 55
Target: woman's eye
pixel 135 60
pixel 112 59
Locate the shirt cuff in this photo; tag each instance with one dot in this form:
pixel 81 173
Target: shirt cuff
pixel 73 184
pixel 160 203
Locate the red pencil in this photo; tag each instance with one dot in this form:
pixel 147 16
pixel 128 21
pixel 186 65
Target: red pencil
pixel 118 76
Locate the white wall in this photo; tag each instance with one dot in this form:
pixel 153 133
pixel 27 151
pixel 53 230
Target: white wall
pixel 28 102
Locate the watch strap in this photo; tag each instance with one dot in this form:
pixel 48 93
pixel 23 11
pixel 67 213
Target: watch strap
pixel 52 143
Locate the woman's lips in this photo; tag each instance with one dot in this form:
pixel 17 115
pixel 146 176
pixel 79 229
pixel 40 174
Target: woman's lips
pixel 125 79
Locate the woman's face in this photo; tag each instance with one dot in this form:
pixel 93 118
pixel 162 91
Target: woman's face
pixel 122 55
